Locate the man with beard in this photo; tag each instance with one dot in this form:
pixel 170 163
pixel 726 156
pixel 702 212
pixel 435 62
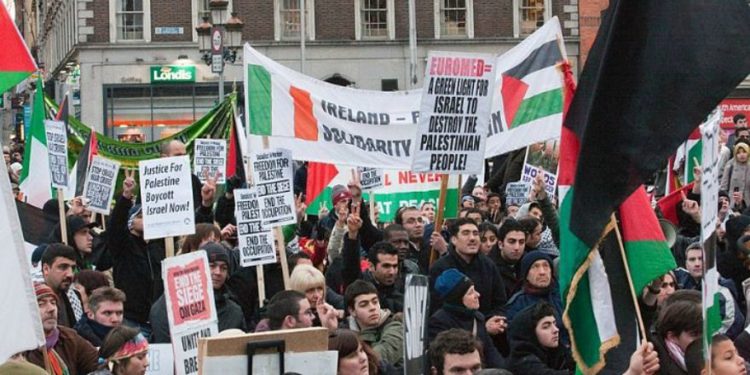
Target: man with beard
pixel 58 269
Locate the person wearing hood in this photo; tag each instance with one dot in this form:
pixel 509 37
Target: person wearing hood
pixel 535 343
pixel 465 256
pixel 379 328
pixel 229 313
pixel 538 285
pixel 736 176
pixel 79 238
pixel 461 310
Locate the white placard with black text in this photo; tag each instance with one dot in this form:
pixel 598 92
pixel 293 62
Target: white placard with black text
pixel 100 184
pixel 255 244
pixel 272 174
pixel 210 158
pixel 167 197
pixel 57 152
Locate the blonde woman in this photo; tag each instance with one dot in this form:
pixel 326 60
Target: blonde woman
pixel 310 281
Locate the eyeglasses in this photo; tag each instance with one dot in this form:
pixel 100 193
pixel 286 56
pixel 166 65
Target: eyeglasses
pixel 671 284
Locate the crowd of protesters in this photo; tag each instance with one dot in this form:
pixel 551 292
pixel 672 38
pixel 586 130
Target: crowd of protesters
pixel 495 301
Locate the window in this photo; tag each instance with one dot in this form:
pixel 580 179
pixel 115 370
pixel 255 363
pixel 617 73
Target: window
pixel 454 19
pixel 288 19
pixel 374 19
pixel 200 10
pixel 389 85
pixel 529 15
pixel 131 20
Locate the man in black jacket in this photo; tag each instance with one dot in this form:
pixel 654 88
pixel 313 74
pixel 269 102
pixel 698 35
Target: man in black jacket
pixel 105 312
pixel 136 262
pixel 507 254
pixel 465 256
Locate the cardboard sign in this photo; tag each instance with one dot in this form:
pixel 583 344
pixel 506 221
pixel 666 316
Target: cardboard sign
pixel 416 294
pixel 160 359
pixel 100 184
pixel 191 312
pixel 542 157
pixel 370 178
pixel 185 346
pixel 167 197
pixel 454 113
pixel 210 157
pixel 272 173
pixel 255 244
pixel 517 193
pixel 710 179
pixel 57 152
pixel 189 292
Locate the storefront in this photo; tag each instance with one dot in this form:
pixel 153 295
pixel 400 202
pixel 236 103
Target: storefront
pixel 171 100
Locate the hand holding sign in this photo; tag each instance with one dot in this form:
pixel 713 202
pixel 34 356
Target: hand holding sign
pixel 76 206
pixel 538 192
pixel 229 231
pixel 128 185
pixel 354 222
pixel 691 207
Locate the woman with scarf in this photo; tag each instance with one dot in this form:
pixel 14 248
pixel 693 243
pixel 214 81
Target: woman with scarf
pixel 461 310
pixel 680 322
pixel 124 352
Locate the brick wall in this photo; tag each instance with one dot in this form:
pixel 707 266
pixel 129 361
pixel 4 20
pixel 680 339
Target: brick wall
pixel 257 15
pixel 100 21
pixel 590 12
pixel 334 20
pixel 493 19
pixel 172 13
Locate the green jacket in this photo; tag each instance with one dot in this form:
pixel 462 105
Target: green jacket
pixel 387 339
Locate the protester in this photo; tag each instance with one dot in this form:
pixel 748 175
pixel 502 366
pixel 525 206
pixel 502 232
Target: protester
pixel 488 235
pixel 310 281
pixel 428 211
pixel 80 239
pixel 411 219
pixel 507 254
pixel 105 312
pixel 355 356
pixel 58 267
pixel 378 327
pixel 125 352
pixel 680 322
pixel 86 282
pixel 287 309
pixel 535 343
pixel 461 310
pixel 67 352
pixel 455 351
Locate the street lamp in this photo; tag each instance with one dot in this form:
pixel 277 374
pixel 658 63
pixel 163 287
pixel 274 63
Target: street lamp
pixel 219 42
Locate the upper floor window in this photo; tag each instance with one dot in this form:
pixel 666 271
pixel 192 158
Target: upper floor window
pixel 374 19
pixel 288 21
pixel 131 20
pixel 454 18
pixel 530 15
pixel 201 9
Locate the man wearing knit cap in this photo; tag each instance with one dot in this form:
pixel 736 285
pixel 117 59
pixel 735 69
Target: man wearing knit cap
pixel 343 200
pixel 68 353
pixel 538 285
pixel 229 312
pixel 460 310
pixel 466 258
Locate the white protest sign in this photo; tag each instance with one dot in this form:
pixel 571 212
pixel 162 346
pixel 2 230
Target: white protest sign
pixel 57 152
pixel 454 113
pixel 160 359
pixel 185 346
pixel 191 311
pixel 370 178
pixel 272 174
pixel 517 193
pixel 415 322
pixel 710 178
pixel 210 158
pixel 167 196
pixel 542 157
pixel 100 184
pixel 255 244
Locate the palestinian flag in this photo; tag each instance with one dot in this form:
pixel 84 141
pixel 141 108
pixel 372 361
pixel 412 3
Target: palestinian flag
pixel 34 182
pixel 81 168
pixel 691 152
pixel 237 144
pixel 641 48
pixel 277 101
pixel 16 62
pixel 646 248
pixel 668 204
pixel 319 177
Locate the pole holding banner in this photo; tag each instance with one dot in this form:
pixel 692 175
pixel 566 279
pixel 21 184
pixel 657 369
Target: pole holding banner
pixel 169 246
pixel 440 213
pixel 63 222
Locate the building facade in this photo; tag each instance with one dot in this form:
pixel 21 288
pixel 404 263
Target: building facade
pixel 134 70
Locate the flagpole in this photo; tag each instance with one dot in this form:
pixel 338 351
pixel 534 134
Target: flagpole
pixel 63 222
pixel 440 214
pixel 630 280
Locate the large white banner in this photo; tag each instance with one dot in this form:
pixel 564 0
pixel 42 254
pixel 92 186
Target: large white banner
pixel 167 197
pixel 454 113
pixel 341 125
